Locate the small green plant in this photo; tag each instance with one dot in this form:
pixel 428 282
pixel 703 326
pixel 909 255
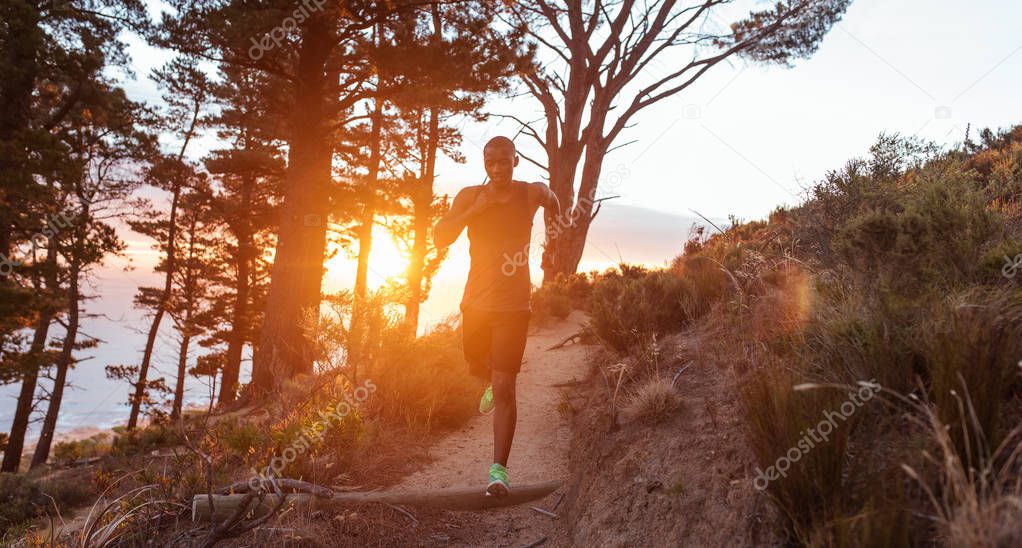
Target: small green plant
pixel 240 437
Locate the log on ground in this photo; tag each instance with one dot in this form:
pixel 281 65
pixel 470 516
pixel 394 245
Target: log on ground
pixel 457 498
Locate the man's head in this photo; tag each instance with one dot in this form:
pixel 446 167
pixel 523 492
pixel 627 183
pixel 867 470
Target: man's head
pixel 500 159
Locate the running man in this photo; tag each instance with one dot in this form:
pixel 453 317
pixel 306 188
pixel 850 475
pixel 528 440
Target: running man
pixel 495 307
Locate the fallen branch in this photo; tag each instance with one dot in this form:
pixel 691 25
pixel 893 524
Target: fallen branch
pixel 405 512
pixel 284 483
pixel 576 336
pixel 546 513
pixel 235 524
pixel 535 543
pixel 460 498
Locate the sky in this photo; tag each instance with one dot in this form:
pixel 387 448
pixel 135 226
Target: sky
pixel 741 141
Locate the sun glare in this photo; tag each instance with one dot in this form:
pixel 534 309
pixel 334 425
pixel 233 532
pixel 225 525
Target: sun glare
pixel 385 262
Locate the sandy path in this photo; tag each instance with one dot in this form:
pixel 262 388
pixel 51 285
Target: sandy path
pixel 539 452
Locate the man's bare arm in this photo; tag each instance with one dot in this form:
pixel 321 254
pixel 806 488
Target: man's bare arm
pixel 546 198
pixel 549 202
pixel 449 227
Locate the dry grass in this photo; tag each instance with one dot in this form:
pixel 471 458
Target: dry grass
pixel 653 400
pixel 976 503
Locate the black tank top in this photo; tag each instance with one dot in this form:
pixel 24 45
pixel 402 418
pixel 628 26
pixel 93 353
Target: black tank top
pixel 499 238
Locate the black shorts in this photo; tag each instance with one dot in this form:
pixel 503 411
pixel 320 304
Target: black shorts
pixel 494 341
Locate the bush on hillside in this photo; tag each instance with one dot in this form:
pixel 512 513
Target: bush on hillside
pixel 906 289
pixel 630 302
pixel 143 440
pixel 558 298
pixel 653 400
pixel 75 450
pixel 21 500
pixel 424 382
pixel 973 353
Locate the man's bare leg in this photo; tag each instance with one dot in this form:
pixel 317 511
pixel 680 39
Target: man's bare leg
pixel 505 415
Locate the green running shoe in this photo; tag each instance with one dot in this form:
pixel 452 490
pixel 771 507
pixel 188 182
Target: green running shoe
pixel 486 402
pixel 500 484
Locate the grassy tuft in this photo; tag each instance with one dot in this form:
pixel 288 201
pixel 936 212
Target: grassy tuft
pixel 652 401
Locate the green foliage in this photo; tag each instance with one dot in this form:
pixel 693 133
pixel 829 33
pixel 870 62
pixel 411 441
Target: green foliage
pixel 143 440
pixel 424 382
pixel 94 446
pixel 69 491
pixel 21 500
pixel 241 437
pixel 893 270
pixel 558 298
pixel 631 302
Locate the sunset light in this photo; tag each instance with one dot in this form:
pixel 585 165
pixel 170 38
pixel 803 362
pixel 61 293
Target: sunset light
pixel 527 273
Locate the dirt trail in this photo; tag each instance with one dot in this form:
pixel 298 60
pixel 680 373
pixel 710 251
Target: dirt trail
pixel 540 451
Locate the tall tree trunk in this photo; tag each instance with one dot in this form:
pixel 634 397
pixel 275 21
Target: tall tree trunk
pixel 186 324
pixel 367 218
pixel 161 308
pixel 240 321
pixel 29 381
pixel 365 234
pixel 422 201
pixel 42 448
pixel 297 272
pixel 365 247
pixel 570 242
pixel 182 370
pixel 168 283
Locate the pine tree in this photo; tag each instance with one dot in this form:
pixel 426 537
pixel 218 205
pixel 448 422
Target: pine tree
pixel 106 136
pixel 52 58
pixel 186 93
pixel 313 56
pixel 244 201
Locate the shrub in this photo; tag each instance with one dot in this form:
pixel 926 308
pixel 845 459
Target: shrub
pixel 143 440
pixel 558 298
pixel 21 500
pixel 71 451
pixel 242 437
pixel 549 302
pixel 631 301
pixel 901 256
pixel 653 400
pixel 972 356
pixel 69 491
pixel 425 382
